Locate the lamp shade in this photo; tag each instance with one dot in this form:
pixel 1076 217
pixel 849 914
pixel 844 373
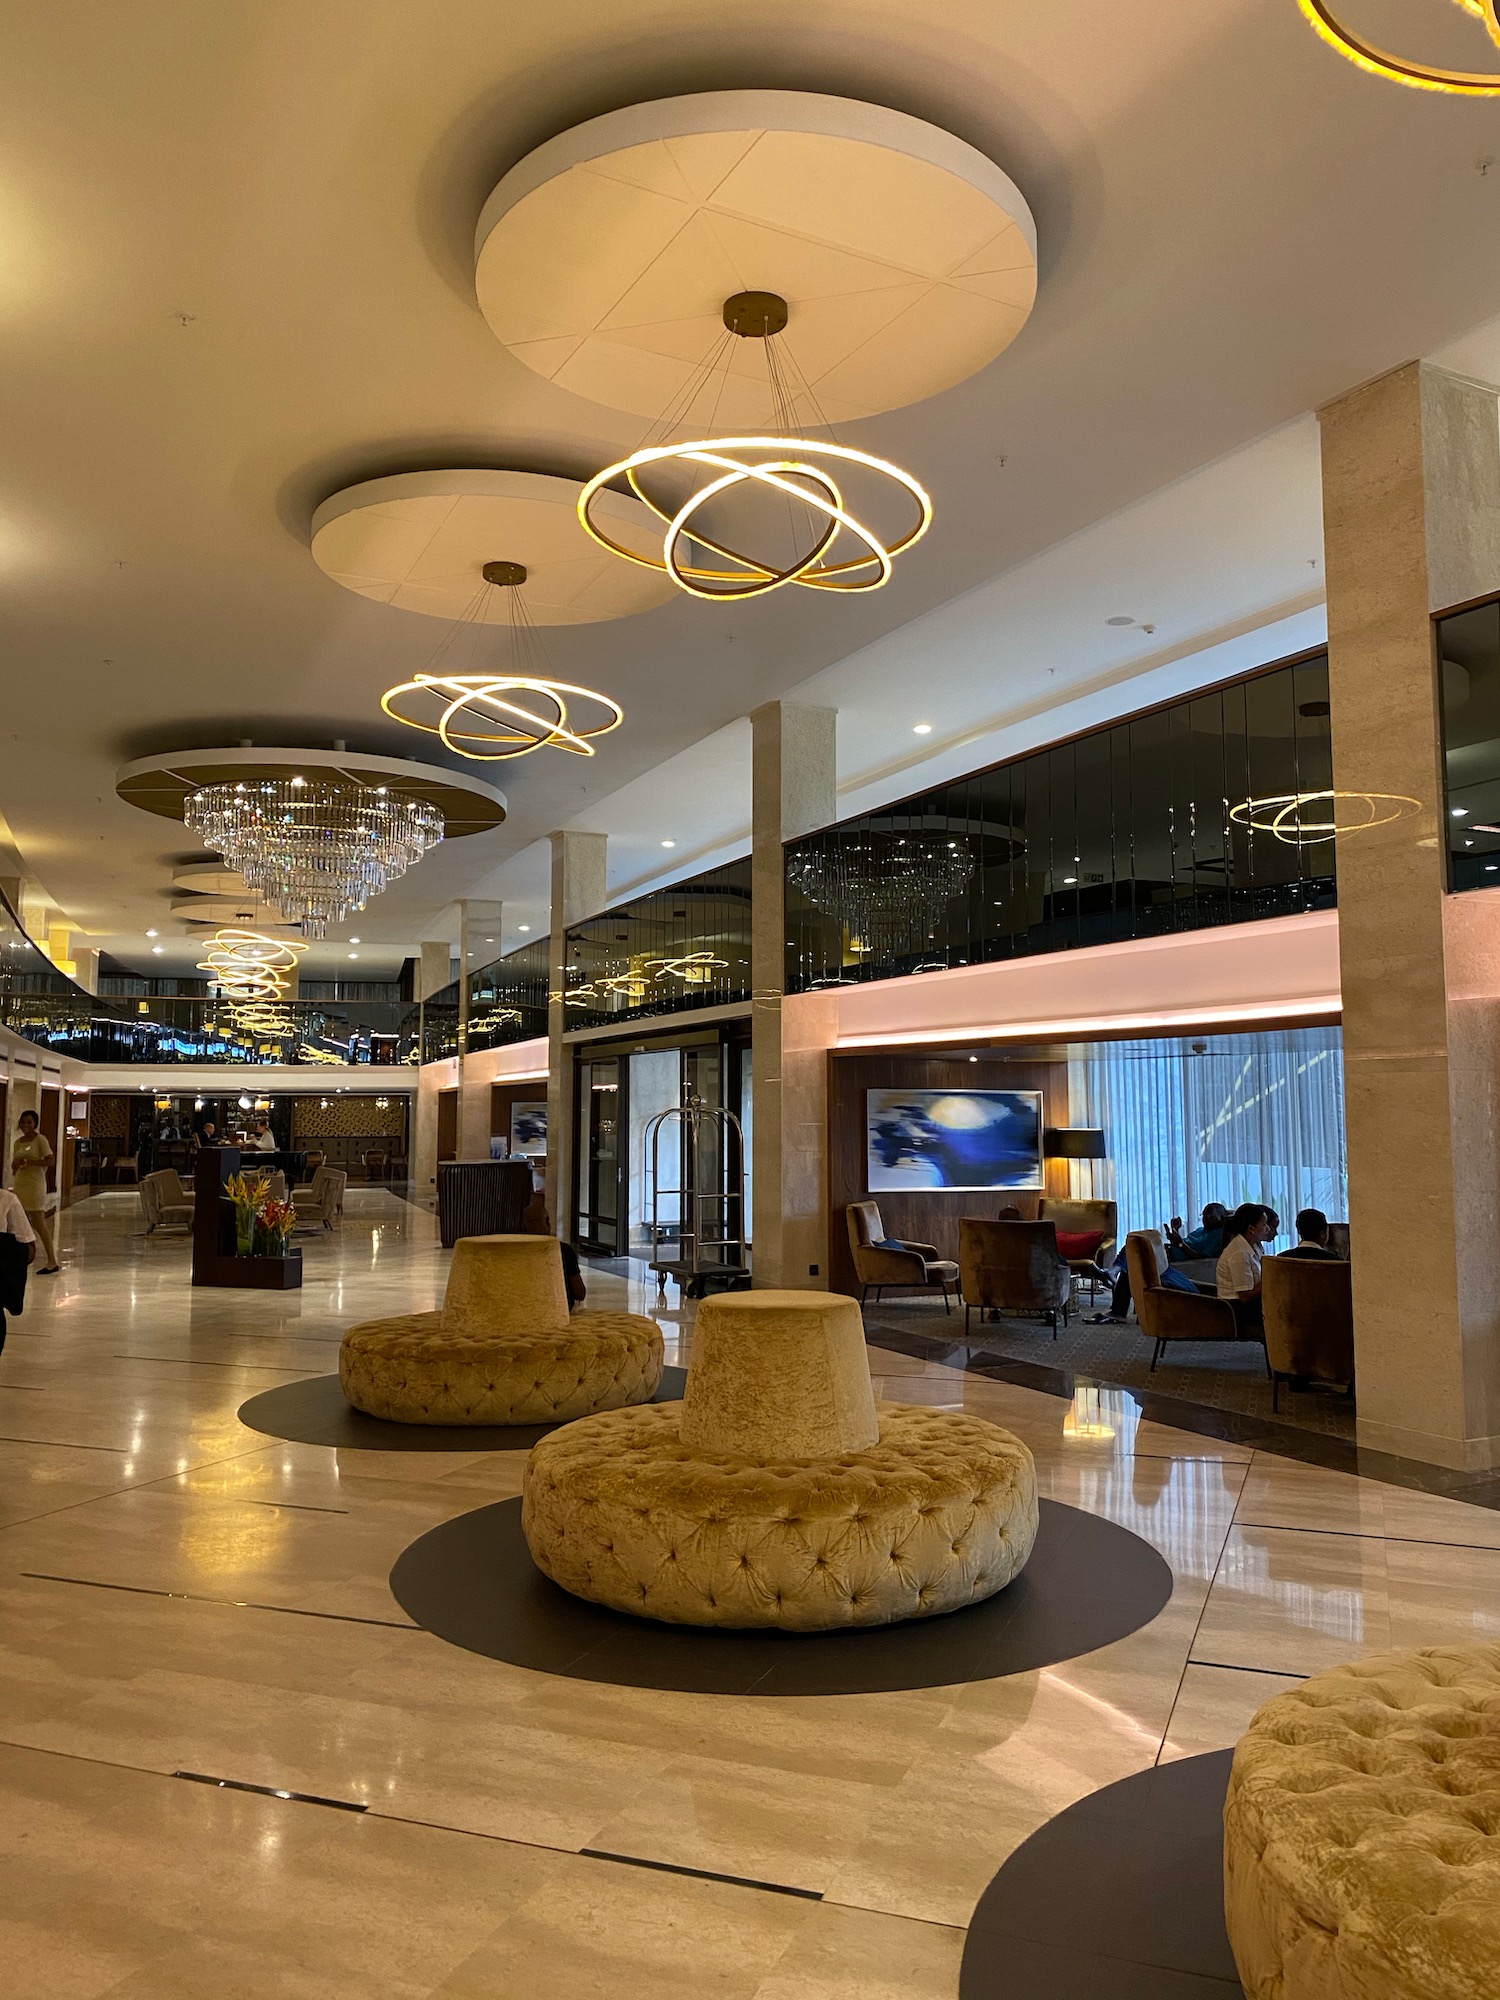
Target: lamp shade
pixel 1075 1142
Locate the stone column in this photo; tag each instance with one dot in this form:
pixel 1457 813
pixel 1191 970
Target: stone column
pixel 1411 507
pixel 476 922
pixel 793 792
pixel 578 891
pixel 436 968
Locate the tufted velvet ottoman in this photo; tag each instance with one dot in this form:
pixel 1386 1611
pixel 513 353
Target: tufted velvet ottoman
pixel 504 1348
pixel 1362 1833
pixel 776 1493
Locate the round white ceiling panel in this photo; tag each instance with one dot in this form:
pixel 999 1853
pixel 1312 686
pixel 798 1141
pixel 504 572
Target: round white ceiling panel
pixel 420 540
pixel 907 259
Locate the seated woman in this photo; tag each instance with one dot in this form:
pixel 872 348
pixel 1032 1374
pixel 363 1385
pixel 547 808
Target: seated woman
pixel 1237 1273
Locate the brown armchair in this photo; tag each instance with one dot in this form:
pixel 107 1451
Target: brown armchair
pixel 916 1267
pixel 1165 1313
pixel 1084 1217
pixel 1309 1311
pixel 1012 1267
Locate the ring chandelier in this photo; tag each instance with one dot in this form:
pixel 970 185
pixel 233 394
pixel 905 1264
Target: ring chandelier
pixel 246 965
pixel 1285 815
pixel 693 968
pixel 693 487
pixel 1367 56
pixel 316 848
pixel 479 715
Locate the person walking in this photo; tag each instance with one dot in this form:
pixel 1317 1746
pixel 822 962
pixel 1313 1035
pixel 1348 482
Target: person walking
pixel 17 1251
pixel 30 1157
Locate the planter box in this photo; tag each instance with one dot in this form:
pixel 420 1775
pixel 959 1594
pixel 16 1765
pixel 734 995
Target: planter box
pixel 261 1274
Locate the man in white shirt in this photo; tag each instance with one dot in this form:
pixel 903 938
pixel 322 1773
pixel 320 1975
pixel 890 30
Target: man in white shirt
pixel 1237 1273
pixel 13 1223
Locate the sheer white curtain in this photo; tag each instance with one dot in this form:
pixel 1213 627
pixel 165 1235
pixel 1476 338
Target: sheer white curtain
pixel 1253 1118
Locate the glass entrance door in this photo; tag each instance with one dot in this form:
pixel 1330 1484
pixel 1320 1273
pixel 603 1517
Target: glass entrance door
pixel 599 1156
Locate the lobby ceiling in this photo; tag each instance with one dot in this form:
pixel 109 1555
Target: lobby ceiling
pixel 237 275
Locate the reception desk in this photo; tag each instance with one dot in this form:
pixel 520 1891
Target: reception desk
pixel 481 1198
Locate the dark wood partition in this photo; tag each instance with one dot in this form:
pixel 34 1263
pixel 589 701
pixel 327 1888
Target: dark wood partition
pixel 932 1215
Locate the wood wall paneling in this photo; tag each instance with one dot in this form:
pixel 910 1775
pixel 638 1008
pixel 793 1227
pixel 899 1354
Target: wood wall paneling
pixel 932 1215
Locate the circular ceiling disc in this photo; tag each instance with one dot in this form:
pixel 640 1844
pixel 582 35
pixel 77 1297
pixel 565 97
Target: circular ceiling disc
pixel 217 912
pixel 163 784
pixel 420 540
pixel 908 260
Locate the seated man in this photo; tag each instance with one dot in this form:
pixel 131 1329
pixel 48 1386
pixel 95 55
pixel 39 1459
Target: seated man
pixel 1238 1269
pixel 1312 1237
pixel 1205 1241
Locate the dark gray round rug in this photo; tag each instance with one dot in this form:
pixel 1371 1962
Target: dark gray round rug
pixel 314 1412
pixel 1121 1897
pixel 473 1583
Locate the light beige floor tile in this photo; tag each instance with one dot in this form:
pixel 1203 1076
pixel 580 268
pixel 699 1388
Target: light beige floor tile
pixel 1214 1708
pixel 844 1954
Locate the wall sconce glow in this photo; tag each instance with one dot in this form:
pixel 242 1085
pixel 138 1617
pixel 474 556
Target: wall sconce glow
pixel 1300 818
pixel 1376 61
pixel 476 716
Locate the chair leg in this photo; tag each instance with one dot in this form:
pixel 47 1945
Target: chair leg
pixel 1275 1393
pixel 1156 1354
pixel 947 1302
pixel 864 1293
pixel 967 1310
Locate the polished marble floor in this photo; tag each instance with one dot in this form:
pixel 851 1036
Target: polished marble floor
pixel 180 1595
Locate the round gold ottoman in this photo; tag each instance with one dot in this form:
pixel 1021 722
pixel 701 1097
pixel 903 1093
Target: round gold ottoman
pixel 1362 1833
pixel 776 1494
pixel 504 1348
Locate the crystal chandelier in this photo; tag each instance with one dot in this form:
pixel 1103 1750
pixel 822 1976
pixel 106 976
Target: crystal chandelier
pixel 744 515
pixel 316 848
pixel 884 888
pixel 493 717
pixel 1366 55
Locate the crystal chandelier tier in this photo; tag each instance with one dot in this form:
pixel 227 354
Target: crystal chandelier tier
pixel 1366 55
pixel 316 848
pixel 885 888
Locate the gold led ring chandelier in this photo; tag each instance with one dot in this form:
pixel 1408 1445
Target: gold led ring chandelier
pixel 477 715
pixel 247 965
pixel 801 471
pixel 1283 814
pixel 1417 76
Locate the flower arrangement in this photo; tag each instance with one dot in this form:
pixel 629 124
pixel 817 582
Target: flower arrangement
pixel 262 1226
pixel 273 1228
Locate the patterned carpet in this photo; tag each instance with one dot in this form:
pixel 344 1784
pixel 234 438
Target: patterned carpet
pixel 1211 1374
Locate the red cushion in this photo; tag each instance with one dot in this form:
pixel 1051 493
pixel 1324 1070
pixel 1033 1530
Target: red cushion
pixel 1078 1243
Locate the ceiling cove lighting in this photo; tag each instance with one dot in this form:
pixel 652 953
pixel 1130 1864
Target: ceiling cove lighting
pixel 1376 61
pixel 495 716
pixel 744 515
pixel 314 848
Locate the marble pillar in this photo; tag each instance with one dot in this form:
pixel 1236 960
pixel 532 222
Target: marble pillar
pixel 578 891
pixel 1411 506
pixel 478 943
pixel 794 773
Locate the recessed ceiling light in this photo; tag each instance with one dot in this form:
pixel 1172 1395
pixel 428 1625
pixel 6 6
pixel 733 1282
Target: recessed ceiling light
pixel 524 927
pixel 1070 878
pixel 355 954
pixel 1119 621
pixel 354 940
pixel 153 934
pixel 1460 812
pixel 299 781
pixel 921 729
pixel 158 948
pixel 669 843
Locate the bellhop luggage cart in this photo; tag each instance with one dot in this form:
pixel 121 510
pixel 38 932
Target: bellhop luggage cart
pixel 696 1199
